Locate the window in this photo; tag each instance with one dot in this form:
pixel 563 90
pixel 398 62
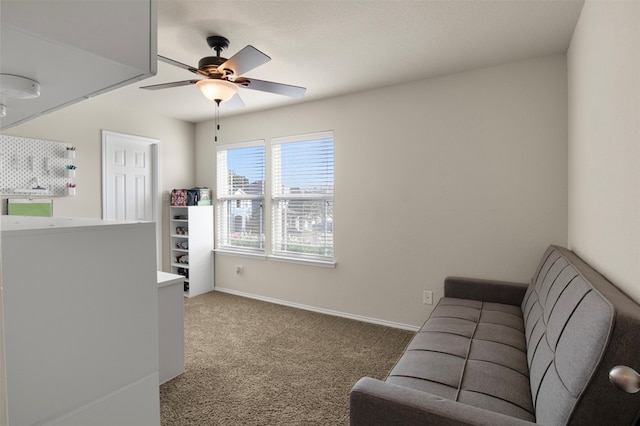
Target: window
pixel 240 197
pixel 302 196
pixel 299 198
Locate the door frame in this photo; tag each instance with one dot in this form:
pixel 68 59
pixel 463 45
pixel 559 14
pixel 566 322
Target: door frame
pixel 155 185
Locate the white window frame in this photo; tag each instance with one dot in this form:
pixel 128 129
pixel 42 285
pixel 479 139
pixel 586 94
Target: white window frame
pixel 280 197
pixel 223 198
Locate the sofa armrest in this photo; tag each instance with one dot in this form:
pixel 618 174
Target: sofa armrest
pixel 510 293
pixel 376 403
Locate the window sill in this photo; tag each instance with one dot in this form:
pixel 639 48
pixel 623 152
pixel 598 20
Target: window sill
pixel 302 261
pixel 240 253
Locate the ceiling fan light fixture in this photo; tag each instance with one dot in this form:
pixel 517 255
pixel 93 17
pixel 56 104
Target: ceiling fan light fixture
pixel 217 90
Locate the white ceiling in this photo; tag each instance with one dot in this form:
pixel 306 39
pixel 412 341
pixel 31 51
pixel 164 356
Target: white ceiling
pixel 339 47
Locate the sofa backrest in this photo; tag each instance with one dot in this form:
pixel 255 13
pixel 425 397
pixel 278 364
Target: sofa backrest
pixel 570 314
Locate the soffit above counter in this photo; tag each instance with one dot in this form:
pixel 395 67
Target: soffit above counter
pixel 74 50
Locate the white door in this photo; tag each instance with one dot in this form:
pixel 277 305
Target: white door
pixel 130 179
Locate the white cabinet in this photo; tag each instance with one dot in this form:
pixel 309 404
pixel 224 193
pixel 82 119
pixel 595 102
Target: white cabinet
pixel 80 306
pixel 171 325
pixel 191 230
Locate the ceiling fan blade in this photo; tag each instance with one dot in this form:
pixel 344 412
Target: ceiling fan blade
pixel 181 65
pixel 243 61
pixel 271 87
pixel 235 102
pixel 168 85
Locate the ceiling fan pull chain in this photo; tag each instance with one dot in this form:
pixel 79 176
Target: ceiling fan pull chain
pixel 217 120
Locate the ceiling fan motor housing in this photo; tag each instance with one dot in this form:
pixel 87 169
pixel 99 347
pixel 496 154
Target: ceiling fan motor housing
pixel 211 63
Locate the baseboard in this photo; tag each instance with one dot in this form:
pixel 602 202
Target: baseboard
pixel 136 403
pixel 319 310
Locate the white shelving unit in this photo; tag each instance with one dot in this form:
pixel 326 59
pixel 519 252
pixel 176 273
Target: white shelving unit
pixel 191 230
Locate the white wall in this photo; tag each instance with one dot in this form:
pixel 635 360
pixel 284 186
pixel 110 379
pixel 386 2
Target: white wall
pixel 4 418
pixel 460 175
pixel 81 125
pixel 604 141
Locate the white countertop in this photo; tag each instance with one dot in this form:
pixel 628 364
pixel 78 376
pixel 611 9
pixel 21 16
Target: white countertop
pixel 34 223
pixel 165 279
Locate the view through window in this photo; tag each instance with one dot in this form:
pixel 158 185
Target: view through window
pixel 300 197
pixel 240 197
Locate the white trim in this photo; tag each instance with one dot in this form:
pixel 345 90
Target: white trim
pixel 327 134
pixel 135 388
pixel 236 145
pixel 263 256
pixel 319 310
pixel 157 193
pixel 240 197
pixel 303 261
pixel 230 252
pixel 319 197
pixel 157 190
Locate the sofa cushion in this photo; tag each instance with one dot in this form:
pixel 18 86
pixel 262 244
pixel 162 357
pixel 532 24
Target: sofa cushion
pixel 472 352
pixel 568 323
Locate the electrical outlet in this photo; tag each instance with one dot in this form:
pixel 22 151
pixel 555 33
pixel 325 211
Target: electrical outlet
pixel 427 297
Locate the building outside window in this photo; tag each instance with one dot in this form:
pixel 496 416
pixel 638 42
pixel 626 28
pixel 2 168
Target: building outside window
pixel 302 169
pixel 240 197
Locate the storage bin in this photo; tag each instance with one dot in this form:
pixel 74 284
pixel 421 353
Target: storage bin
pixel 198 196
pixel 179 197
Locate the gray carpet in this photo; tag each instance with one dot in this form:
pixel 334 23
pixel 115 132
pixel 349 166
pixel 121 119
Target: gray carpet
pixel 255 363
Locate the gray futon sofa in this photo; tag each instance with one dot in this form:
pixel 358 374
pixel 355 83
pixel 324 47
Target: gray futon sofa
pixel 498 353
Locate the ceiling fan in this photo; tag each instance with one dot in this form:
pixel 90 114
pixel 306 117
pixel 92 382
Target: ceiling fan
pixel 223 76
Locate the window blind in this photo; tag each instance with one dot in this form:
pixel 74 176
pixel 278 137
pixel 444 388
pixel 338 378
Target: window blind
pixel 240 196
pixel 302 196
